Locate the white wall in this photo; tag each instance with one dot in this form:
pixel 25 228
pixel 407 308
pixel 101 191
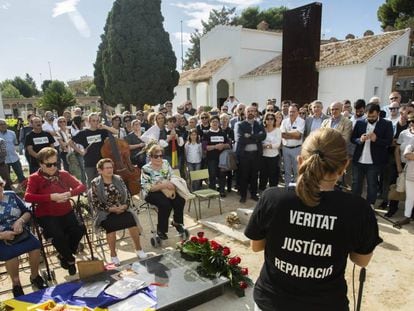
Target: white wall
pixel 342 82
pixel 259 89
pixel 377 69
pixel 181 94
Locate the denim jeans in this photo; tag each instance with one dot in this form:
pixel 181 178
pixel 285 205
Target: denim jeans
pixel 371 173
pixel 17 168
pixel 195 185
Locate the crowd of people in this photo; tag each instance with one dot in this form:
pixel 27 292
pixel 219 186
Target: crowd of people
pixel 64 158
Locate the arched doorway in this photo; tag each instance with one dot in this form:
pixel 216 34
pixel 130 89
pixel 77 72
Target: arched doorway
pixel 222 92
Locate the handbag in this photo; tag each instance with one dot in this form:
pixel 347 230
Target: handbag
pixel 394 195
pixel 18 238
pixel 400 185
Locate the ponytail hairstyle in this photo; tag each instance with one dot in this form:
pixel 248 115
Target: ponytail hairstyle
pixel 323 152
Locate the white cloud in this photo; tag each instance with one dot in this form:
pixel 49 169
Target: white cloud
pixel 240 4
pixel 186 38
pixel 197 11
pixel 4 5
pixel 64 7
pixel 69 7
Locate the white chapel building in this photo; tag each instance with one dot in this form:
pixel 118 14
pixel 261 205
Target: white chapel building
pixel 247 63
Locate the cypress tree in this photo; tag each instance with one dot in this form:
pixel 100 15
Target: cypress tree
pixel 135 62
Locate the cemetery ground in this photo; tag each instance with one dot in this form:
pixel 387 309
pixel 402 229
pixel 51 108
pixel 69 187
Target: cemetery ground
pixel 388 281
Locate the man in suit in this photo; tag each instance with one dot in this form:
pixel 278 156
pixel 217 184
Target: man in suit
pixel 338 122
pixel 372 138
pixel 315 121
pixel 250 135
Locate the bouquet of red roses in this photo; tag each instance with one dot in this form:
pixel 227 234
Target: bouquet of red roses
pixel 216 261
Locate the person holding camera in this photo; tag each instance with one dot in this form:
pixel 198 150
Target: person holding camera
pixel 308 234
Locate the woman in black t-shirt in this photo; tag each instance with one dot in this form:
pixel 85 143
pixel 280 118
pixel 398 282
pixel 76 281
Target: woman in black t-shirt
pixel 307 234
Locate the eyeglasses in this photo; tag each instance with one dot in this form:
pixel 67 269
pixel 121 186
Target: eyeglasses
pixel 108 168
pixel 394 108
pixel 270 118
pixel 204 117
pixel 157 156
pixel 49 165
pixel 392 98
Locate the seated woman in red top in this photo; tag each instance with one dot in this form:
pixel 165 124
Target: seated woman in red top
pixel 51 189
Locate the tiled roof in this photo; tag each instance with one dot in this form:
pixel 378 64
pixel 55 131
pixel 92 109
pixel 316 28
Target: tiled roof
pixel 205 72
pixel 346 52
pixel 186 76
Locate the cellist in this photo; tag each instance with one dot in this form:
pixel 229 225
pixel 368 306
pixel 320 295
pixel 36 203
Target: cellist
pixel 92 139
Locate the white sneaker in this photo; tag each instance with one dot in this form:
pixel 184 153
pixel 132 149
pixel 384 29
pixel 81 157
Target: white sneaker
pixel 115 261
pixel 141 254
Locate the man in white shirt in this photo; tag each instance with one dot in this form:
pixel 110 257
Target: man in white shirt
pixel 292 130
pixel 230 103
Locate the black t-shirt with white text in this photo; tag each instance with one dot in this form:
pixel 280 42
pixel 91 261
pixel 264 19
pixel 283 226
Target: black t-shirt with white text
pixel 307 248
pixel 38 141
pixel 214 138
pixel 92 141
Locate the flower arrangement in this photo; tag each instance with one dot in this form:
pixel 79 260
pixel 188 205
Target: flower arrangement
pixel 216 261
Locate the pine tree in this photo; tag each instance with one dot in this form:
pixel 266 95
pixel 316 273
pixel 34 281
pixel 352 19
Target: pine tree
pixel 135 62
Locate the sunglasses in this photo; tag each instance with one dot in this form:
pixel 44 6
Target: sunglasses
pixel 410 121
pixel 394 108
pixel 49 165
pixel 270 110
pixel 204 117
pixel 157 156
pixel 270 118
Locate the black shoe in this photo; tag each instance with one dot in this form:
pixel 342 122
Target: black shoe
pixel 242 200
pixel 391 212
pixel 17 291
pixel 38 282
pixel 63 263
pixel 72 269
pixel 178 227
pixel 384 204
pixel 254 198
pixel 162 235
pixel 222 194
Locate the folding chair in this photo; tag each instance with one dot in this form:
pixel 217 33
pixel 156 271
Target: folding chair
pixel 204 194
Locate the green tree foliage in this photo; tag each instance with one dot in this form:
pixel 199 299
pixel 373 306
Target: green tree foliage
pixel 252 16
pixel 24 88
pixel 135 63
pixel 45 85
pixel 29 79
pixel 398 14
pixel 217 17
pixel 92 91
pixel 56 97
pixel 80 88
pixel 9 91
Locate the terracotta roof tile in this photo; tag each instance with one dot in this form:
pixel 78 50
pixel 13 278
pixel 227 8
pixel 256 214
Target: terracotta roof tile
pixel 186 76
pixel 346 52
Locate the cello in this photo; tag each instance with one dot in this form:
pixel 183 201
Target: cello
pixel 118 151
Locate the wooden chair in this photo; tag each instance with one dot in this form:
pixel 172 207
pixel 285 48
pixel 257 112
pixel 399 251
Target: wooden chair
pixel 204 194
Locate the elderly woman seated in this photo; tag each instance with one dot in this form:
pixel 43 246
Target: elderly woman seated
pixel 52 189
pixel 160 191
pixel 110 199
pixel 15 240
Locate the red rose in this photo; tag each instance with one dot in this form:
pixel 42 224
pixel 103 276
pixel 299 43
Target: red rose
pixel 202 240
pixel 244 271
pixel 214 245
pixel 242 284
pixel 234 261
pixel 200 234
pixel 194 239
pixel 238 259
pixel 225 251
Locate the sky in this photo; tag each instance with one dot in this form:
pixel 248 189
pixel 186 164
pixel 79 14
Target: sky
pixel 59 39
